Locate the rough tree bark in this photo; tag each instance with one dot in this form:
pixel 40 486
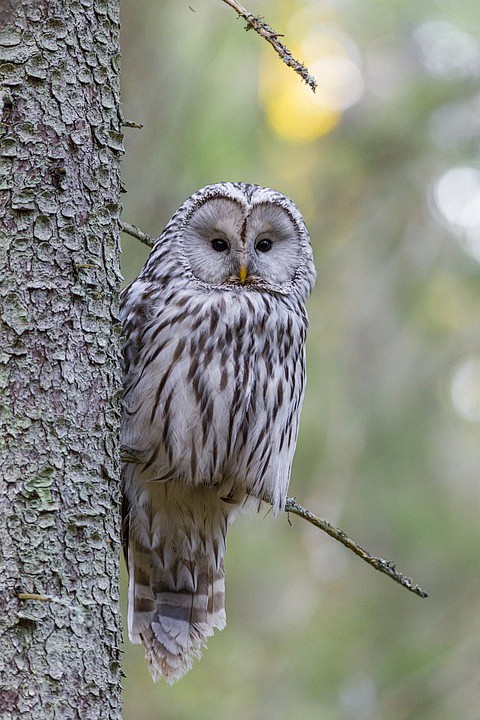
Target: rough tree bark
pixel 59 359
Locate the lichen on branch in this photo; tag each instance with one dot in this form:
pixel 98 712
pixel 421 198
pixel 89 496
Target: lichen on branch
pixel 264 30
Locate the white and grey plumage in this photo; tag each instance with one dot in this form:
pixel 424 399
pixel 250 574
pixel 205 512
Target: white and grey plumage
pixel 214 376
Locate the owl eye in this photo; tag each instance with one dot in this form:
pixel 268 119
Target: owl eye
pixel 263 245
pixel 219 244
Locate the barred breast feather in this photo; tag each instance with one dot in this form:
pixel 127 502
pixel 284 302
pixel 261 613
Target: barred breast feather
pixel 211 370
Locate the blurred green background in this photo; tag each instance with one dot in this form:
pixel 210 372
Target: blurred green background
pixel 383 163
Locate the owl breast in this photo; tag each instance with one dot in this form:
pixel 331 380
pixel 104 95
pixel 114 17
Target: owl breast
pixel 216 390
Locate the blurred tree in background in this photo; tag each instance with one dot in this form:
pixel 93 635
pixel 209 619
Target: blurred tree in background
pixel 383 163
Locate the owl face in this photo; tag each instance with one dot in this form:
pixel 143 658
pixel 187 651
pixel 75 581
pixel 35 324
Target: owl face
pixel 226 243
pixel 239 237
pixel 247 237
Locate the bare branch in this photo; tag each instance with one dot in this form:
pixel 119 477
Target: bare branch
pixel 129 455
pixel 388 568
pixel 132 124
pixel 265 31
pixel 137 233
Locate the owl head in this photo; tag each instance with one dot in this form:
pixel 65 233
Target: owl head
pixel 241 237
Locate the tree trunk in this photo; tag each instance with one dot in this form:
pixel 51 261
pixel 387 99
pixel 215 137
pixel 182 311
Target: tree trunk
pixel 59 359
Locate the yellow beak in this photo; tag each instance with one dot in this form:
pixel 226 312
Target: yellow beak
pixel 242 273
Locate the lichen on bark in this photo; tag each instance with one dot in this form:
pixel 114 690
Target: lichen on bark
pixel 60 142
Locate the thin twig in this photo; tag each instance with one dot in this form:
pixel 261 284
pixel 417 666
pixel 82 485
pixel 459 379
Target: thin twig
pixel 132 124
pixel 379 564
pixel 34 596
pixel 128 455
pixel 265 31
pixel 137 233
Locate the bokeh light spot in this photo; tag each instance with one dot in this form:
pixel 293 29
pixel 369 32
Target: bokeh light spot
pixel 293 111
pixel 293 117
pixel 465 389
pixel 457 199
pixel 447 51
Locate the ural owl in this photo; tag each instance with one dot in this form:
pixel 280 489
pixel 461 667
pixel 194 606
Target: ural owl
pixel 214 376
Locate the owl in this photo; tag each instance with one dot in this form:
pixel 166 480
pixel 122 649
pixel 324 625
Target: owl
pixel 214 334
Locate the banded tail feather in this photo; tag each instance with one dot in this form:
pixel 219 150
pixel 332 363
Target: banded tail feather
pixel 176 595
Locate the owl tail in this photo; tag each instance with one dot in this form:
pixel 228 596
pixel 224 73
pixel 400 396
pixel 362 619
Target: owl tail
pixel 177 580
